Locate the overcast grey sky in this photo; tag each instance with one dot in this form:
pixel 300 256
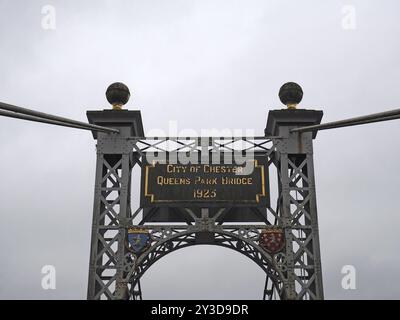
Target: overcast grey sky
pixel 204 64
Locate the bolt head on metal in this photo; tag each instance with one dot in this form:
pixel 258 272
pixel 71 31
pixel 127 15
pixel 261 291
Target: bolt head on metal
pixel 117 94
pixel 290 94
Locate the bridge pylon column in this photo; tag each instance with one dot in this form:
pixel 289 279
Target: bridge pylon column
pixel 112 207
pixel 298 200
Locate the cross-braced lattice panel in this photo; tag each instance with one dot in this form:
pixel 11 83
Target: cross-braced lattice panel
pixel 108 223
pixel 301 226
pixel 203 144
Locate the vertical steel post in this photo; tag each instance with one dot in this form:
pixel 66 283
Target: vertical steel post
pixel 298 201
pixel 111 210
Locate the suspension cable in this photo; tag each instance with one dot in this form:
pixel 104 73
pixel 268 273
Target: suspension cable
pixel 32 115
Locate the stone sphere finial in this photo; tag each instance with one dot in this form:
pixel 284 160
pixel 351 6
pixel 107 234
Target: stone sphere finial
pixel 117 94
pixel 290 94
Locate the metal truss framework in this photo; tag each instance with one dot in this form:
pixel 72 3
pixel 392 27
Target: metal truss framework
pixel 294 273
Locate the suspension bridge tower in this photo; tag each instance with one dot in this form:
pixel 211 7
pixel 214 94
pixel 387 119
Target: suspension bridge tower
pixel 280 235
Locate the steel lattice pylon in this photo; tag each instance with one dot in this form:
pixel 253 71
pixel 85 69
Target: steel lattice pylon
pixel 294 273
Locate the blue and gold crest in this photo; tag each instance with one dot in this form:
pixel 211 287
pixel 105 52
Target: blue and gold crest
pixel 138 240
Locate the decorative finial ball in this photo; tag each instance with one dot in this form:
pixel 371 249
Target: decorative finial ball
pixel 290 94
pixel 117 94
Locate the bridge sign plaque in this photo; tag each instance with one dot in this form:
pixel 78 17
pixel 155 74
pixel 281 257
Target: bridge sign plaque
pixel 205 184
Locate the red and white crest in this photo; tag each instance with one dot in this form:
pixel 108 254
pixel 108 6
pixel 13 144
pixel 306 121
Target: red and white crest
pixel 272 240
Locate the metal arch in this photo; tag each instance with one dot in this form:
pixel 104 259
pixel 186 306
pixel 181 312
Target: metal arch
pixel 272 266
pixel 185 237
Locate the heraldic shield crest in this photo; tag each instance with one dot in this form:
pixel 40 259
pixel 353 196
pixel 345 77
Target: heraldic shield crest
pixel 138 240
pixel 272 240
